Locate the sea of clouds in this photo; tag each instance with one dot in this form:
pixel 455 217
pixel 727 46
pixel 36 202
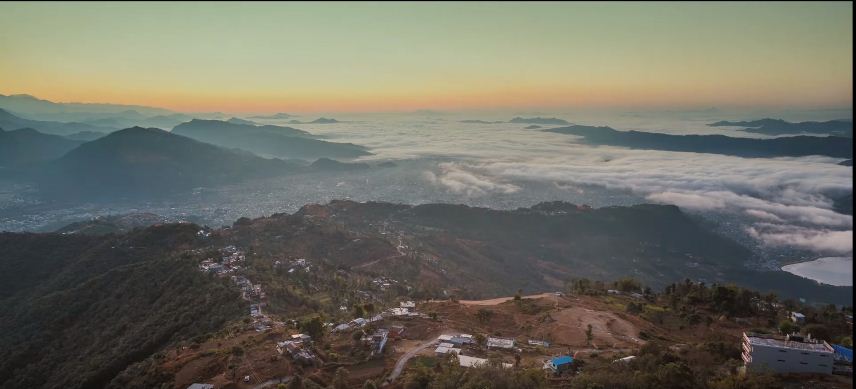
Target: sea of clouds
pixel 785 202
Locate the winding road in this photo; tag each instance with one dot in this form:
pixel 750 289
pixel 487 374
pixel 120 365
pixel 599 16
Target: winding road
pixel 402 361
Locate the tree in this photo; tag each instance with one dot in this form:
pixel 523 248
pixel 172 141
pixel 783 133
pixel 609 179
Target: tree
pixel 787 327
pixel 314 328
pixel 340 378
pixel 358 311
pixel 588 334
pixel 480 339
pixel 369 308
pixel 369 384
pixel 519 295
pixel 484 315
pixel 817 331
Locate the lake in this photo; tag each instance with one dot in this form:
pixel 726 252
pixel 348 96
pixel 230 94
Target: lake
pixel 836 271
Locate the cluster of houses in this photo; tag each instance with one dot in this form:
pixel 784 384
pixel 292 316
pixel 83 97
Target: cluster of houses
pixel 456 344
pixel 249 291
pixel 298 348
pixel 294 265
pixel 794 354
pixel 406 309
pixel 384 283
pixel 228 263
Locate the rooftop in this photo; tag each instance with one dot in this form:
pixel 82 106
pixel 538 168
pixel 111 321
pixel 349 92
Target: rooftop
pixel 562 360
pixel 500 342
pixel 788 344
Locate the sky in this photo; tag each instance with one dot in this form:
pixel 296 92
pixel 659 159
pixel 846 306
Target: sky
pixel 381 57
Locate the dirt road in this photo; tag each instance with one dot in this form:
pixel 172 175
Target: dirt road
pixel 501 300
pixel 402 361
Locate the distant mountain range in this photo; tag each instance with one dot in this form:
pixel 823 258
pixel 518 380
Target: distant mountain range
pixel 539 120
pixel 277 141
pixel 85 136
pixel 479 122
pixel 10 121
pixel 25 147
pixel 534 120
pixel 67 118
pixel 29 105
pixel 780 127
pixel 146 162
pixel 837 147
pixel 273 117
pixel 242 121
pixel 848 162
pixel 316 121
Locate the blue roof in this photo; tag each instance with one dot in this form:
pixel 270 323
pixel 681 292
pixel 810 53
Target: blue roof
pixel 563 360
pixel 844 352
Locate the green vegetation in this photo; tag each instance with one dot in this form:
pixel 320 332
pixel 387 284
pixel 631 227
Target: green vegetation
pixel 83 311
pixel 449 374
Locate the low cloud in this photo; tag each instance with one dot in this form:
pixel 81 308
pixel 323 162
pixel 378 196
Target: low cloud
pixel 822 241
pixel 460 181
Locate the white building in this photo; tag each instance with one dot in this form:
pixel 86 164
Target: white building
pixel 797 317
pixel 502 343
pixel 467 361
pixel 791 355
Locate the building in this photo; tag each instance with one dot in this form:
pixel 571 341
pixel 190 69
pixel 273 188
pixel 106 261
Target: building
pixel 303 338
pixel 377 340
pixel 407 304
pixel 501 343
pixel 446 348
pixel 467 361
pixel 201 386
pixel 542 343
pixel 797 317
pixel 793 354
pixel 561 364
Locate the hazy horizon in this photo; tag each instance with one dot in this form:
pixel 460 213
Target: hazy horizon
pixel 313 57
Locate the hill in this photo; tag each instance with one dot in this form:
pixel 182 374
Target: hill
pixel 780 127
pixel 30 105
pixel 481 252
pixel 139 310
pixel 24 147
pixel 112 224
pixel 269 140
pixel 13 122
pixel 838 147
pixel 79 310
pixel 140 162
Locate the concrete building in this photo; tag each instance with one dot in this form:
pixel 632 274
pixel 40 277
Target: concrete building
pixel 793 354
pixel 797 317
pixel 501 343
